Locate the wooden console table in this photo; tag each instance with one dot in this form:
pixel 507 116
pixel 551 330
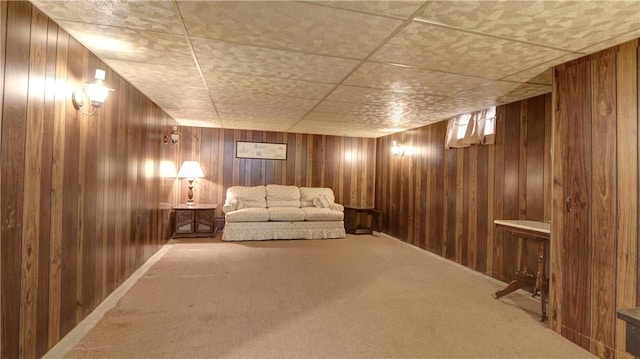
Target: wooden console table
pixel 540 232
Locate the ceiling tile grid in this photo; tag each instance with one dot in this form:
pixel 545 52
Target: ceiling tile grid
pixel 569 25
pixel 295 26
pixel 344 68
pixel 447 50
pixel 224 82
pixel 115 43
pixel 413 80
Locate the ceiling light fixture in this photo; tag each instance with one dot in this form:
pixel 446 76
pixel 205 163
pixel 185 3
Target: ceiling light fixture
pixel 95 91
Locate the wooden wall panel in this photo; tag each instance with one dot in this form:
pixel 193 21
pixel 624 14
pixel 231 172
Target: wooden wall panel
pixel 75 201
pixel 627 182
pixel 12 170
pixel 594 262
pixel 458 193
pixel 603 219
pixel 347 165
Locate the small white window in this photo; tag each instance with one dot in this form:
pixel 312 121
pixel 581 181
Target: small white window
pixel 472 128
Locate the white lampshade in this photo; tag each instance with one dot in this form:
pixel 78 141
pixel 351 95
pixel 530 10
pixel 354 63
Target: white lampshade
pixel 190 169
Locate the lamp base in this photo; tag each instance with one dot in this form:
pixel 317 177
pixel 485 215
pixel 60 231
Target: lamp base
pixel 190 193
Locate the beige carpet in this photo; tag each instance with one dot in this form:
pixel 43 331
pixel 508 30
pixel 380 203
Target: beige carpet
pixel 359 297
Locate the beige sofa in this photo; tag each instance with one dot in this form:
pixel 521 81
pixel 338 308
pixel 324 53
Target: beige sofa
pixel 281 212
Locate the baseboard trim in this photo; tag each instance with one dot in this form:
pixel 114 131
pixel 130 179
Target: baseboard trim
pixel 72 338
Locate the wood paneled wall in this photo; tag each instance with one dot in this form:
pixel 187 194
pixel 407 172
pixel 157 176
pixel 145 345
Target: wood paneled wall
pixel 445 200
pixel 82 204
pixel 344 164
pixel 594 262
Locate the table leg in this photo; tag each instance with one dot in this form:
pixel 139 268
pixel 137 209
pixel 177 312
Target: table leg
pixel 540 281
pixel 523 275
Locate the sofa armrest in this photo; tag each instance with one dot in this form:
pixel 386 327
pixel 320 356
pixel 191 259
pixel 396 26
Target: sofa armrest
pixel 228 207
pixel 337 207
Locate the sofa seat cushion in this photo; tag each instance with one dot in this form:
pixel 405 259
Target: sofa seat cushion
pixel 248 215
pixel 286 214
pixel 322 214
pixel 282 196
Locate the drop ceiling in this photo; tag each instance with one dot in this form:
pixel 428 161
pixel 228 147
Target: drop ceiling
pixel 345 68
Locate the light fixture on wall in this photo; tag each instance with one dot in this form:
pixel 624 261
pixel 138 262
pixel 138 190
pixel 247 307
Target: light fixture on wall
pixel 396 150
pixel 190 170
pixel 95 91
pixel 173 137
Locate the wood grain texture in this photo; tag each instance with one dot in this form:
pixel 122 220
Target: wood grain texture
pixel 556 259
pixel 12 168
pixel 627 182
pixel 347 165
pixel 81 211
pixel 32 186
pixel 466 189
pixel 603 220
pixel 577 244
pixel 61 207
pixel 594 261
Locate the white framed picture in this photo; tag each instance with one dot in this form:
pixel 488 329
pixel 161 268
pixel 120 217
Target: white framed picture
pixel 261 150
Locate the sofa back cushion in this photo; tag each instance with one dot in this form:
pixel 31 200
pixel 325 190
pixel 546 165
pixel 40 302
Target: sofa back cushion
pixel 283 196
pixel 247 197
pixel 309 194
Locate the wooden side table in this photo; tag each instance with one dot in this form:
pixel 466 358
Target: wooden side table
pixel 632 318
pixel 524 276
pixel 194 221
pixel 351 220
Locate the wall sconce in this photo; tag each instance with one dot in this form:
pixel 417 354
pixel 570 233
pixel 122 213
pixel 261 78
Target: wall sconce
pixel 95 91
pixel 396 150
pixel 190 170
pixel 173 137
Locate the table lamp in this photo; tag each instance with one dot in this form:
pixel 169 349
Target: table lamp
pixel 190 170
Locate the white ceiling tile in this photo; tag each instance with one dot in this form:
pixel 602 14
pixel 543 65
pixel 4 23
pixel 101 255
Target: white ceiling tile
pixel 164 75
pixel 261 122
pixel 409 79
pixel 394 114
pixel 222 56
pixel 132 45
pixel 613 41
pixel 448 50
pixel 182 115
pixel 250 108
pixel 403 9
pixel 172 90
pixel 228 100
pixel 228 82
pixel 336 129
pixel 185 104
pixel 304 66
pixel 154 15
pixel 296 26
pixel 364 95
pixel 570 25
pixel 194 122
pixel 502 92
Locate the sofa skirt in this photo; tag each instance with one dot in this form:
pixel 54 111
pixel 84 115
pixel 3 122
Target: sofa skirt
pixel 260 231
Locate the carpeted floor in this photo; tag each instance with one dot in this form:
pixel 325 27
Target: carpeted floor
pixel 359 297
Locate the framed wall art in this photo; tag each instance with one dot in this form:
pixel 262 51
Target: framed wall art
pixel 261 150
